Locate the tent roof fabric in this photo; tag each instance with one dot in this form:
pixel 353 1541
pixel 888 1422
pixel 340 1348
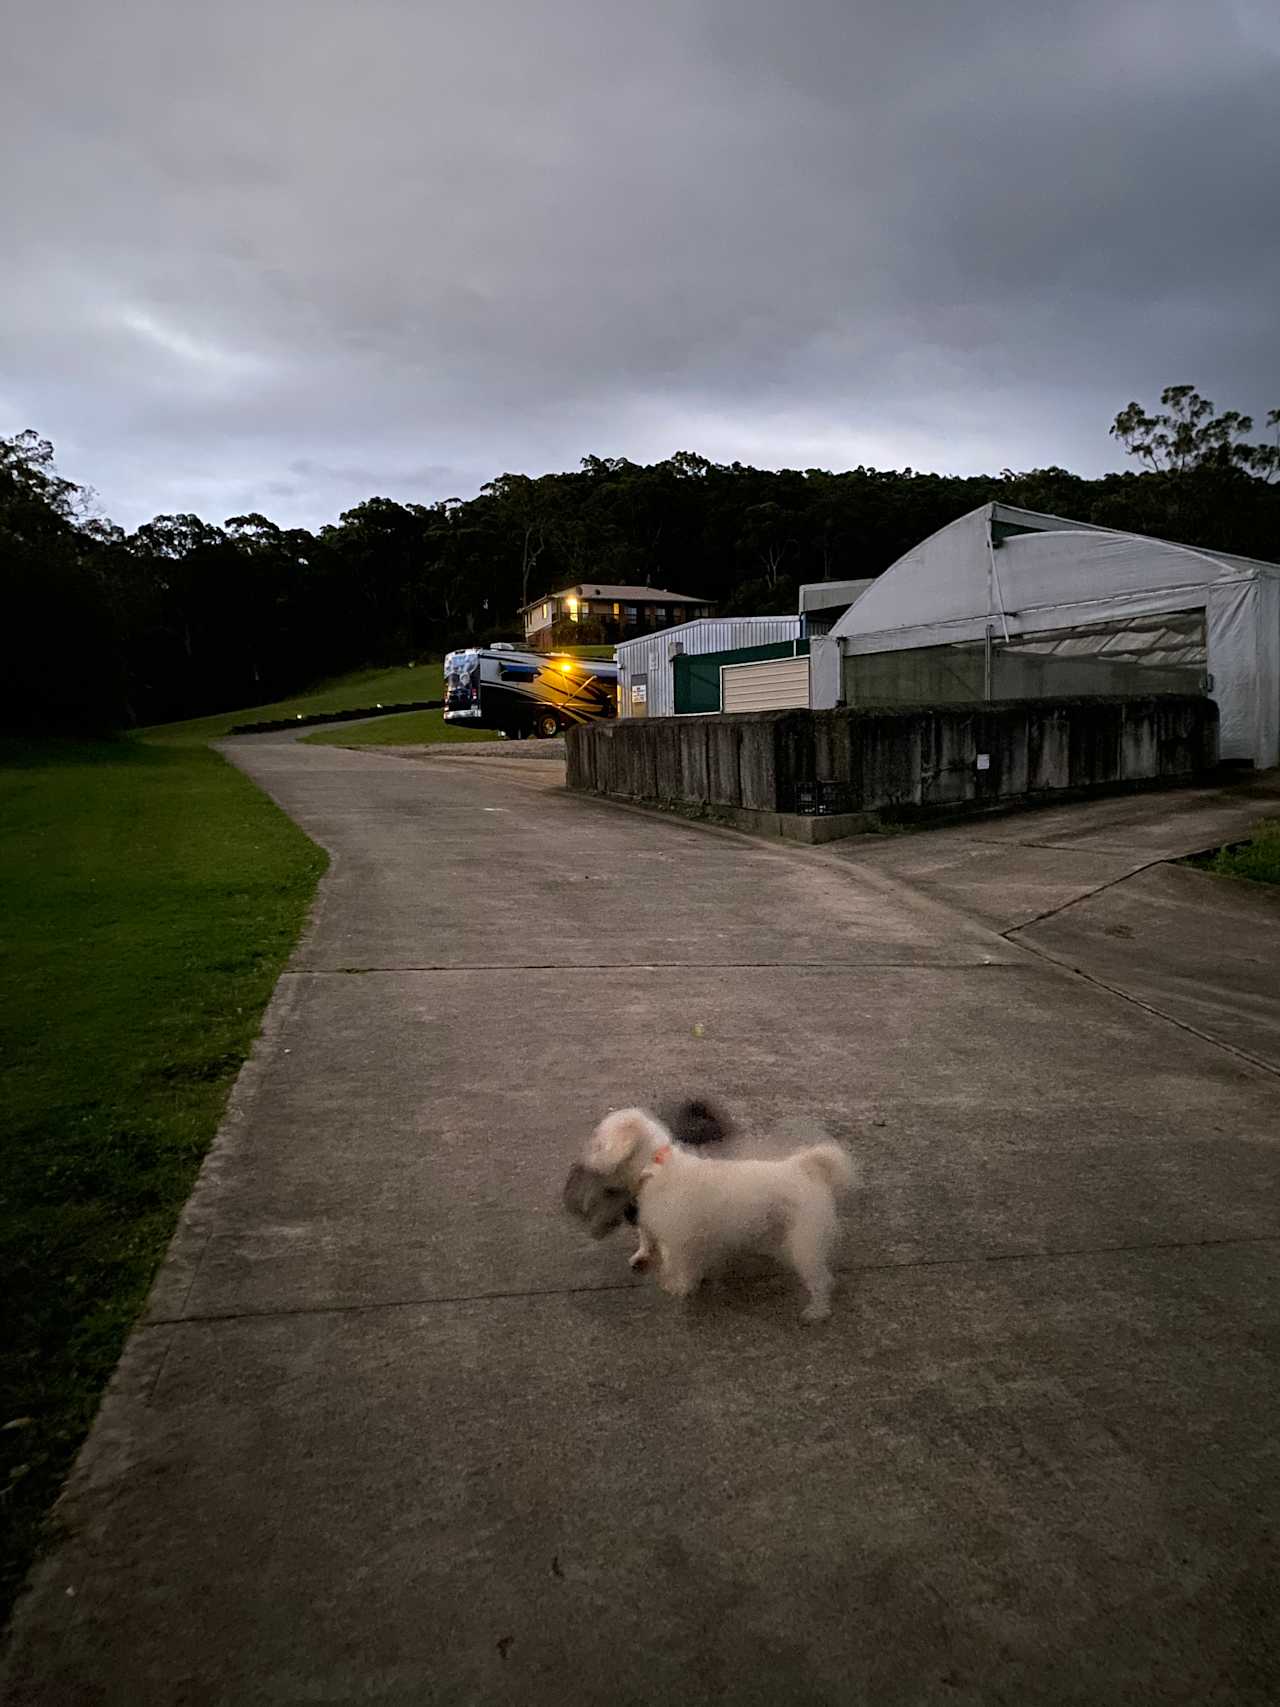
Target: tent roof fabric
pixel 1012 574
pixel 1043 572
pixel 1041 521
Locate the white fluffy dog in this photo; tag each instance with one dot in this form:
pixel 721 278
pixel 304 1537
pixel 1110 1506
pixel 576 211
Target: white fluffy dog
pixel 694 1212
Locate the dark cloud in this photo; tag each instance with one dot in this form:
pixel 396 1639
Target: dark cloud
pixel 282 257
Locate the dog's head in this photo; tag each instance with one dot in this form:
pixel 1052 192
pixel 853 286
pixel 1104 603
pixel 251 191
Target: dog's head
pixel 624 1144
pixel 601 1188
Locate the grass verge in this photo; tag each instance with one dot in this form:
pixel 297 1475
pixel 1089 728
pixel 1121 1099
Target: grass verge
pixel 393 686
pixel 408 729
pixel 149 896
pixel 1257 859
pixel 365 687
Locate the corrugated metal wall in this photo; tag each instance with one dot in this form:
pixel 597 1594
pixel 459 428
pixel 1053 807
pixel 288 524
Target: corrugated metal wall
pixel 774 684
pixel 650 656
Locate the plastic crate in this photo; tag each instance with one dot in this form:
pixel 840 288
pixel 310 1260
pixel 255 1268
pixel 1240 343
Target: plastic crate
pixel 823 799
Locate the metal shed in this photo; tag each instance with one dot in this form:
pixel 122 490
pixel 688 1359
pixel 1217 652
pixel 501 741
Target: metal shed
pixel 646 683
pixel 823 603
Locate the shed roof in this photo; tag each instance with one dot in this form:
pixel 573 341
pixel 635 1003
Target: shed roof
pixel 633 595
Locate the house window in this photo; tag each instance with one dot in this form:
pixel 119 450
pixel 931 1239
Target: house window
pixel 632 615
pixel 573 609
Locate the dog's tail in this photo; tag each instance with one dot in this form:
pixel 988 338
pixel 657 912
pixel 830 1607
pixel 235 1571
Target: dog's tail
pixel 830 1163
pixel 696 1121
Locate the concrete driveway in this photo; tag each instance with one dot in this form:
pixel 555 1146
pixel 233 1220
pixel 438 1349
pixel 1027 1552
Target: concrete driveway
pixel 393 1431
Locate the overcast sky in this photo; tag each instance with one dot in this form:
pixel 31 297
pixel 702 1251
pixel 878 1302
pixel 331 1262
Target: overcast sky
pixel 285 254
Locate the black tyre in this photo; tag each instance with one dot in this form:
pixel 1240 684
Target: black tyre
pixel 546 724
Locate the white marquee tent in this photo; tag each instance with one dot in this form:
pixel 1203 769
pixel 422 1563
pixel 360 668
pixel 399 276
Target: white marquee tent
pixel 1007 603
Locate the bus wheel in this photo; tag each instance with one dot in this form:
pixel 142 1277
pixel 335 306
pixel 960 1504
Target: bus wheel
pixel 546 724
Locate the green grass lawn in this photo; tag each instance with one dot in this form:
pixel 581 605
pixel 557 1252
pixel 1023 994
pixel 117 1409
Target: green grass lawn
pixel 406 729
pixel 149 896
pixel 1258 858
pixel 366 687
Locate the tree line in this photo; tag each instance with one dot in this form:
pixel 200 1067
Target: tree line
pixel 181 617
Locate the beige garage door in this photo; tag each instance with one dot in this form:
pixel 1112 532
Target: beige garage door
pixel 777 684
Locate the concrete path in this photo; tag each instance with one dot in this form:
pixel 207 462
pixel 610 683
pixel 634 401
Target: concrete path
pixel 394 1432
pixel 1090 887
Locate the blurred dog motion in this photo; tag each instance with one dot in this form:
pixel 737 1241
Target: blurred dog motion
pixel 697 1212
pixel 603 1204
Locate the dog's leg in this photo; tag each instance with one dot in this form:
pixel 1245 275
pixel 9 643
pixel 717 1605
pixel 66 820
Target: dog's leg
pixel 679 1279
pixel 806 1248
pixel 643 1253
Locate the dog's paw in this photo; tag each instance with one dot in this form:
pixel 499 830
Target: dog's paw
pixel 817 1311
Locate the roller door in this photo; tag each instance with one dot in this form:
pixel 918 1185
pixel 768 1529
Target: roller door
pixel 776 684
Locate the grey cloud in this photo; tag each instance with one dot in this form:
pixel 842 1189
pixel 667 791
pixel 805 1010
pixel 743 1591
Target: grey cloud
pixel 284 257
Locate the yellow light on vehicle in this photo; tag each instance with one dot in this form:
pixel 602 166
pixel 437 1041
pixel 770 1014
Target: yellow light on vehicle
pixel 566 668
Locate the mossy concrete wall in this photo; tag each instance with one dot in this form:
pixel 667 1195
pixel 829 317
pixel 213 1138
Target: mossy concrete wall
pixel 893 763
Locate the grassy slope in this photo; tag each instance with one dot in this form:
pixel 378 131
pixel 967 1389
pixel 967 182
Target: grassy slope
pixel 366 687
pixel 1258 858
pixel 409 728
pixel 149 896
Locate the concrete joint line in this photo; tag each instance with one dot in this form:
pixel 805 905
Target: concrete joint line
pixel 1076 900
pixel 984 965
pixel 636 1288
pixel 1146 1007
pixel 1048 847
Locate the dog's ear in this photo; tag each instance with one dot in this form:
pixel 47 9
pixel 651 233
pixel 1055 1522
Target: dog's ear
pixel 619 1136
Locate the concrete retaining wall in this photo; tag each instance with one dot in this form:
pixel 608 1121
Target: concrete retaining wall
pixel 819 774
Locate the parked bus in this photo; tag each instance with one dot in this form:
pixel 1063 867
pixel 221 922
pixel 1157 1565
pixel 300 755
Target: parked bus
pixel 526 693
